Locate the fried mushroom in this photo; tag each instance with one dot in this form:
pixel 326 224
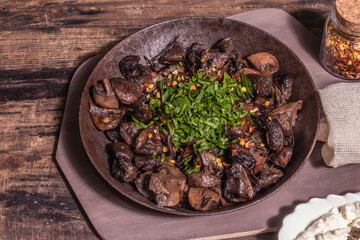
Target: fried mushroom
pixel 142 185
pixel 106 118
pixel 168 185
pixel 125 90
pixel 237 186
pixel 104 96
pixel 203 199
pixel 264 62
pixel 149 141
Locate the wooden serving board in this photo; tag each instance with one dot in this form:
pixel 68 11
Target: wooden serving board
pixel 115 217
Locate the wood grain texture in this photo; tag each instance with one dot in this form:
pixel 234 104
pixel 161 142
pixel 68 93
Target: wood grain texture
pixel 41 44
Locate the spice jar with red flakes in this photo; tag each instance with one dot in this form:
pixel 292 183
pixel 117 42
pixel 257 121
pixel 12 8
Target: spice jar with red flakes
pixel 340 47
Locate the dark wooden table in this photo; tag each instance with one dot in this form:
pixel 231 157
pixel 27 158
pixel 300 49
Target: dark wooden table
pixel 41 44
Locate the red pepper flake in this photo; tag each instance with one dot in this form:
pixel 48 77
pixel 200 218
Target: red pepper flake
pixel 251 129
pixel 233 152
pixel 168 84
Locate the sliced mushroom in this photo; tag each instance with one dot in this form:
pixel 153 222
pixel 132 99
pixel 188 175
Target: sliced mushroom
pixel 283 90
pixel 237 186
pixel 106 118
pixel 126 91
pixel 142 185
pixel 128 132
pixel 147 162
pixel 168 185
pixel 269 176
pixel 265 62
pixel 104 96
pixel 149 141
pixel 286 115
pixel 203 199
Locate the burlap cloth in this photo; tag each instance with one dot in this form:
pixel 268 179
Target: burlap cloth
pixel 341 133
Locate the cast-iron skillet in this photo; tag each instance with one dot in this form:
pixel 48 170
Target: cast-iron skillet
pixel 247 39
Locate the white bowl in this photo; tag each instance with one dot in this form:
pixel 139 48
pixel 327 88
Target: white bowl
pixel 306 213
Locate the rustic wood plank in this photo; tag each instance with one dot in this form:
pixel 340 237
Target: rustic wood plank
pixel 41 44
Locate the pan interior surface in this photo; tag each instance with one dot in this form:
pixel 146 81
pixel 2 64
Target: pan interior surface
pixel 247 40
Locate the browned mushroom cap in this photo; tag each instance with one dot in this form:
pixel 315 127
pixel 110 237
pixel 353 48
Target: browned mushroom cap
pixel 141 111
pixel 120 150
pixel 262 84
pixel 104 96
pixel 202 179
pixel 129 66
pixel 106 118
pixel 149 141
pixel 269 176
pixel 241 155
pixel 265 62
pixel 274 135
pixel 168 185
pixel 203 199
pixel 125 90
pixel 123 170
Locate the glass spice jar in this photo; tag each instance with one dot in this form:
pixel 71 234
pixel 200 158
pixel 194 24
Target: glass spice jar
pixel 340 47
